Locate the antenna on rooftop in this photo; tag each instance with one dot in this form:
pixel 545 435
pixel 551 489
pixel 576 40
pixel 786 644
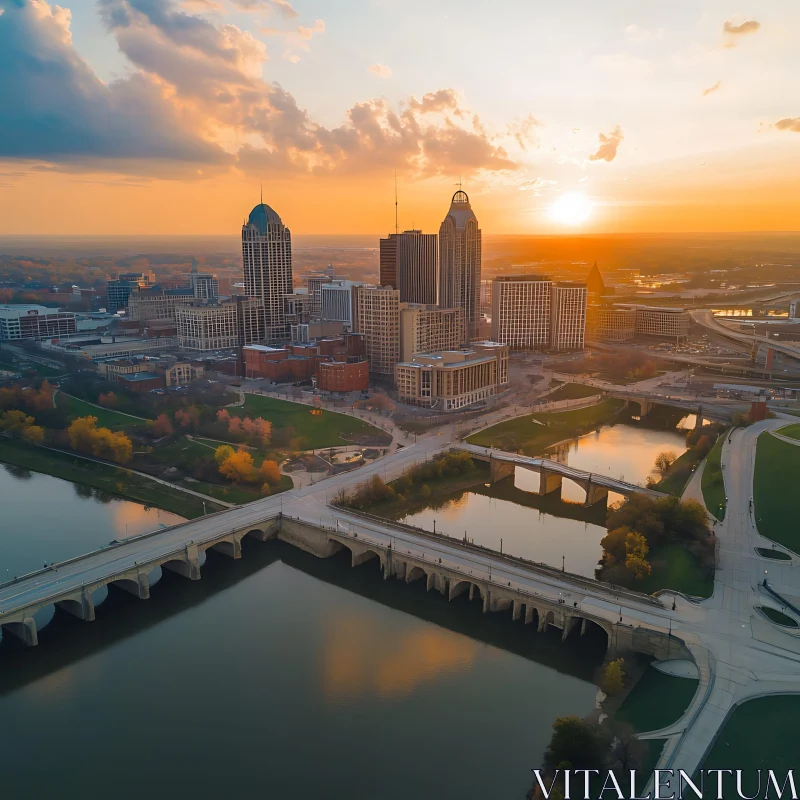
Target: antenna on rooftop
pixel 396 226
pixel 262 193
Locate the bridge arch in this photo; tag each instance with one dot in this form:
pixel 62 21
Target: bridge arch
pixel 415 573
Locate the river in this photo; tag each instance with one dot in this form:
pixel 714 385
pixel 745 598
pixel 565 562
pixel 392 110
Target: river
pixel 278 675
pixel 561 534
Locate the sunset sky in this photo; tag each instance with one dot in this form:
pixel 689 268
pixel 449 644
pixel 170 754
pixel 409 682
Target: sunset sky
pixel 160 116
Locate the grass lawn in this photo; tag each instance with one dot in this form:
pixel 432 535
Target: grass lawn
pixel 115 480
pixel 573 391
pixel 775 496
pixel 106 417
pixel 656 701
pixel 760 734
pixel 328 429
pixel 713 482
pixel 674 567
pixel 792 431
pixel 524 433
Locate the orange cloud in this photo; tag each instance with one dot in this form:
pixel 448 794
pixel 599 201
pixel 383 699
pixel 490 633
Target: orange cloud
pixel 711 89
pixel 609 144
pixel 381 70
pixel 789 124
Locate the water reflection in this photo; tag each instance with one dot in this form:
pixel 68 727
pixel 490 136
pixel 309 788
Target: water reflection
pixel 48 519
pixel 555 529
pixel 362 658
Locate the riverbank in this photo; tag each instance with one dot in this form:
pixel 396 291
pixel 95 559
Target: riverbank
pixel 533 433
pixel 713 481
pixel 116 481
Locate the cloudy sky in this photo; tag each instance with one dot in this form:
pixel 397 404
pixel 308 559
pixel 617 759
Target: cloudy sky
pixel 166 116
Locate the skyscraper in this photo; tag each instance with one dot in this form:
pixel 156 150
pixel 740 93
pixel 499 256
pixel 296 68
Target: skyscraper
pixel 568 320
pixel 267 261
pixel 377 316
pixel 460 262
pixel 409 262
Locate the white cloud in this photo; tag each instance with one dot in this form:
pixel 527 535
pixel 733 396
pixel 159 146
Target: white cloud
pixel 635 33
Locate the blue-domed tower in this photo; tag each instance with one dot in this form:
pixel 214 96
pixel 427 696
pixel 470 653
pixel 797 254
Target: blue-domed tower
pixel 267 261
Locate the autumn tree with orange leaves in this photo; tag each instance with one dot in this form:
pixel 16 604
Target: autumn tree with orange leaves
pixel 86 437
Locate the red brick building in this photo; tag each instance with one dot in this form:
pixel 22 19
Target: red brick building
pixel 343 376
pixel 301 362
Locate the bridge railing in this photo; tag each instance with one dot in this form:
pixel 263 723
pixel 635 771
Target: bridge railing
pixel 536 566
pixel 121 543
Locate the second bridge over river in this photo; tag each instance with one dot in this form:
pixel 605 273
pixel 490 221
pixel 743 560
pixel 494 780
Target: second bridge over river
pixel 596 485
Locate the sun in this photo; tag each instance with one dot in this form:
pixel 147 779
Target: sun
pixel 572 208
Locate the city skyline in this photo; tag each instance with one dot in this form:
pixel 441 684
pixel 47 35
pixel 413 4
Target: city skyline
pixel 124 113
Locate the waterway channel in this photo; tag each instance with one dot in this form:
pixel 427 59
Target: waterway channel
pixel 279 675
pixel 552 530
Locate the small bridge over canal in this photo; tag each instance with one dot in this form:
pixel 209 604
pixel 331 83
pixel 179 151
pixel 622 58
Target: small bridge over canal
pixel 596 485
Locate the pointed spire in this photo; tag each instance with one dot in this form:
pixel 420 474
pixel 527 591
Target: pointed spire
pixel 262 193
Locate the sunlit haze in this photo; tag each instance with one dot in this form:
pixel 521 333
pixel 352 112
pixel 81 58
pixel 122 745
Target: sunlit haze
pixel 165 117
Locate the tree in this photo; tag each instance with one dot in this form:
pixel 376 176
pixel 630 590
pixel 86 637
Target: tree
pixel 614 676
pixel 239 468
pixel 188 417
pixel 33 434
pixel 223 416
pixel 576 741
pixel 664 461
pixel 15 421
pixel 109 400
pixel 636 550
pixel 270 472
pixel 161 426
pixel 625 752
pixel 223 453
pixel 85 436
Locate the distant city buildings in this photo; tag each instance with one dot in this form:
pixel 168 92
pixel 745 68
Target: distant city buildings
pixel 671 323
pixel 24 321
pixel 460 263
pixel 455 379
pixel 377 317
pixel 267 262
pixel 204 285
pixel 155 303
pixel 119 289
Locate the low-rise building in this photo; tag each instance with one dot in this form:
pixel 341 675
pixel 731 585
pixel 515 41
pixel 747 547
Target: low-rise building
pixel 455 379
pixel 343 376
pixel 142 381
pixel 672 323
pixel 183 372
pixel 155 303
pixel 610 324
pixel 113 368
pixel 24 321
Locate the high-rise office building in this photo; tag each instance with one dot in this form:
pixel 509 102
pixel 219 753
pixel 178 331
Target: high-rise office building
pixel 530 312
pixel 568 316
pixel 521 311
pixel 409 262
pixel 460 262
pixel 429 329
pixel 267 261
pixel 315 282
pixel 377 317
pixel 337 302
pixel 219 325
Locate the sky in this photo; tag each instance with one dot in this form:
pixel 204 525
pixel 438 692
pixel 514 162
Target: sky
pixel 583 116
